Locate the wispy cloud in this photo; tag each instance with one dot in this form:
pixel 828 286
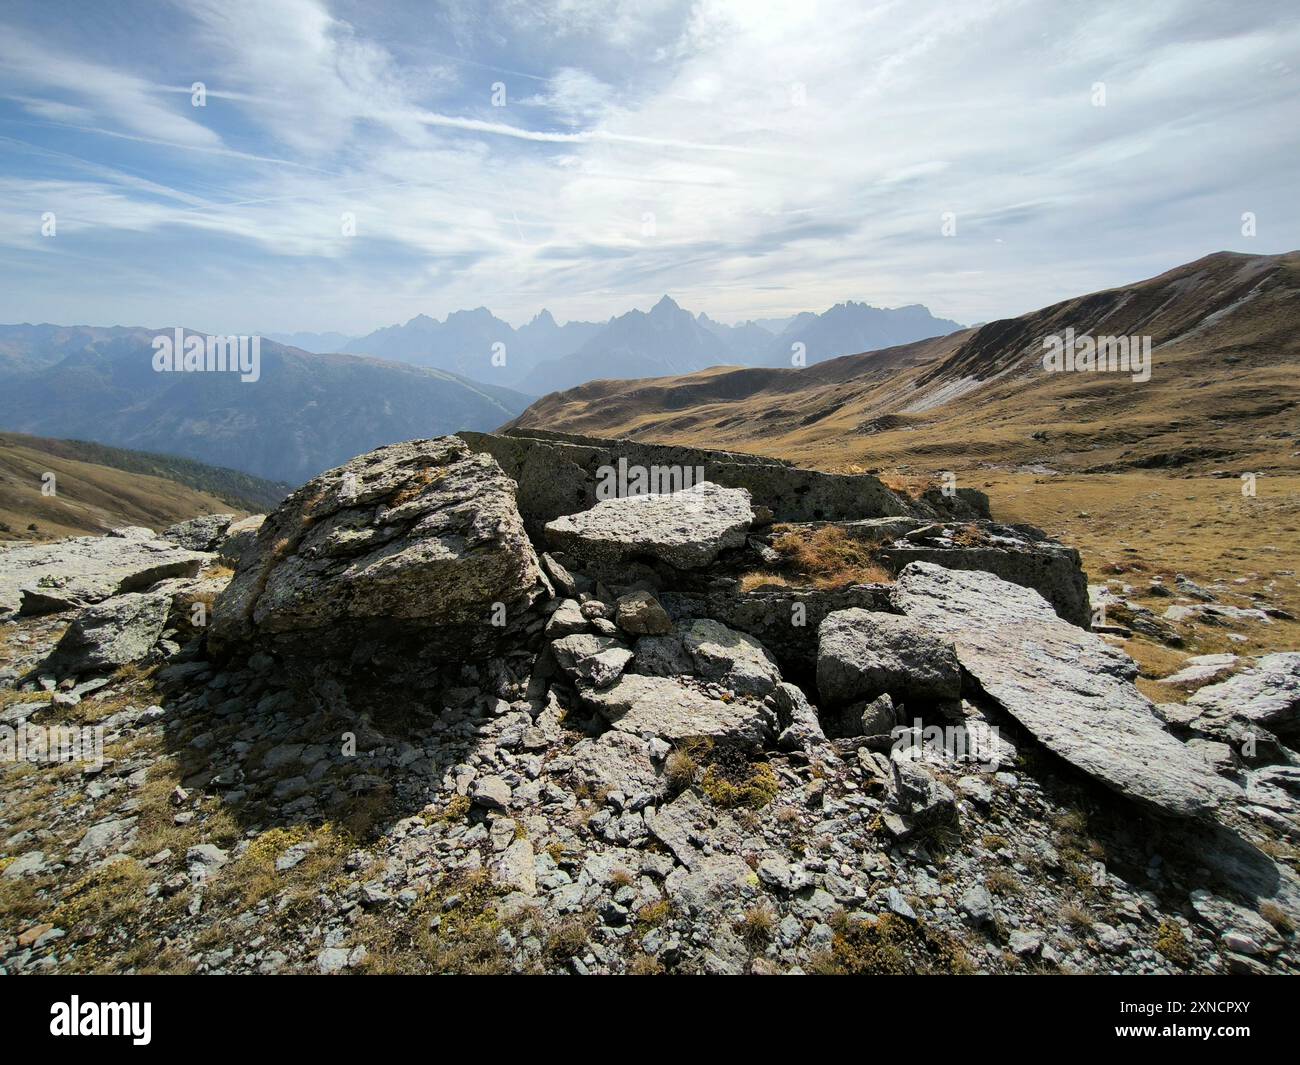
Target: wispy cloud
pixel 350 171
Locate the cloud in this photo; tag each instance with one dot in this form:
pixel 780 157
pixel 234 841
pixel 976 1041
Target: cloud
pixel 115 96
pixel 754 164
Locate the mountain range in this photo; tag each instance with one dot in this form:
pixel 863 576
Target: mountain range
pixel 1224 361
pixel 304 414
pixel 543 355
pixel 1221 391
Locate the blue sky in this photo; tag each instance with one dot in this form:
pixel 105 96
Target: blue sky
pixel 751 159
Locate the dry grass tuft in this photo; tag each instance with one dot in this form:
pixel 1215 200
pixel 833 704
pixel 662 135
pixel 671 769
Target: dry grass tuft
pixel 756 925
pixel 830 557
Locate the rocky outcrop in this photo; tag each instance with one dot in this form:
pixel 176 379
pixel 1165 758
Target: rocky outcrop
pixel 1266 694
pixel 559 474
pixel 412 555
pixel 1069 689
pixel 68 574
pixel 624 769
pixel 204 533
pixel 864 654
pixel 686 529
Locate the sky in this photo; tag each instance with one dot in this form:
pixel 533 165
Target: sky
pixel 349 165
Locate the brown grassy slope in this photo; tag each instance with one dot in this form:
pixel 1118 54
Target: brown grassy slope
pixel 90 498
pixel 1222 390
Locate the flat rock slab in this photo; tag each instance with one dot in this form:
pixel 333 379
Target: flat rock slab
pixel 1266 694
pixel 1068 688
pixel 112 633
pixel 686 529
pixel 618 762
pixel 688 823
pixel 664 707
pixel 67 574
pixel 1019 554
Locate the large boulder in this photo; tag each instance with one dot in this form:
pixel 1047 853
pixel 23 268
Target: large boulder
pixel 67 574
pixel 203 533
pixel 240 536
pixel 672 710
pixel 591 661
pixel 408 557
pixel 862 654
pixel 1067 687
pixel 112 633
pixel 686 529
pixel 640 614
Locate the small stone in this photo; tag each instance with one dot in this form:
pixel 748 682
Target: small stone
pixel 977 904
pixel 640 614
pixel 774 873
pixel 490 792
pixel 204 860
pixel 373 893
pixel 898 904
pixel 1024 943
pixel 33 934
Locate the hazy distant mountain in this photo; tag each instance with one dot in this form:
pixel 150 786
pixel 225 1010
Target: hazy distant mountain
pixel 543 355
pixel 669 340
pixel 318 343
pixel 850 328
pixel 543 338
pixel 744 339
pixel 305 414
pixel 772 325
pixel 664 340
pixel 476 344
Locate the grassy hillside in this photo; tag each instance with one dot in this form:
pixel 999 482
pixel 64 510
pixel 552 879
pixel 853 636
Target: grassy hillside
pixel 100 488
pixel 241 490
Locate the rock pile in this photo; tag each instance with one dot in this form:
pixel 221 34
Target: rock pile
pixel 594 750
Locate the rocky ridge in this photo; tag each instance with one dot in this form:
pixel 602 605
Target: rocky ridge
pixel 427 725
